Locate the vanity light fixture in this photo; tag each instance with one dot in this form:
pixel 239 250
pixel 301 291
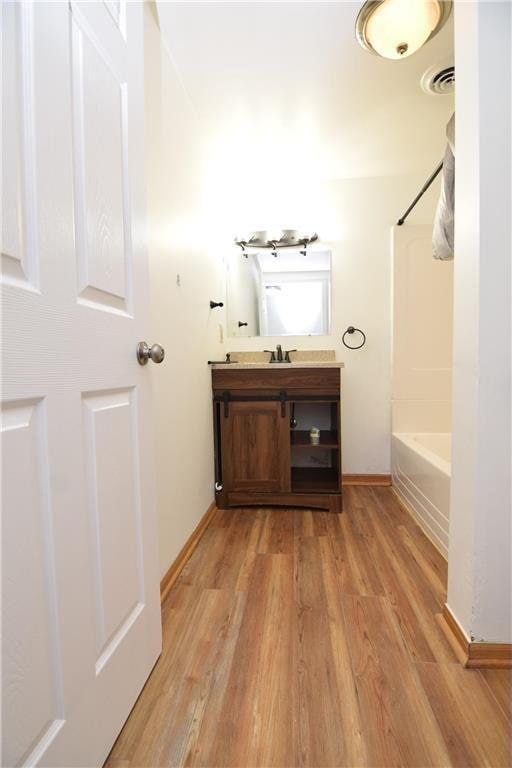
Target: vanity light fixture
pixel 286 238
pixel 395 29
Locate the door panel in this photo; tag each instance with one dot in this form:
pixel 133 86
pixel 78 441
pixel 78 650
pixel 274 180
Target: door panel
pixel 114 511
pixel 80 595
pixel 255 447
pixel 19 245
pixel 102 218
pixel 117 9
pixel 30 632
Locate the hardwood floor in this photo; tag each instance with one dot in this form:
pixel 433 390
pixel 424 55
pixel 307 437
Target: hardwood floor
pixel 299 638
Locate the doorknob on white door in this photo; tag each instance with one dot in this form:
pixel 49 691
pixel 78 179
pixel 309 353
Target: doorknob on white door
pixel 156 353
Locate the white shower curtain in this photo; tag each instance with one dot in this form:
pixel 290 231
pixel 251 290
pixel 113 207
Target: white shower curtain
pixel 442 238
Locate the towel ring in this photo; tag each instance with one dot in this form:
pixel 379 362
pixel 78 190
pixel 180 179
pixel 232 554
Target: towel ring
pixel 351 330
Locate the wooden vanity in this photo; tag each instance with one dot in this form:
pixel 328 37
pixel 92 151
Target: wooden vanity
pixel 263 451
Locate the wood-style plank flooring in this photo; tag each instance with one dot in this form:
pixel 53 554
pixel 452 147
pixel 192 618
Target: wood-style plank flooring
pixel 299 638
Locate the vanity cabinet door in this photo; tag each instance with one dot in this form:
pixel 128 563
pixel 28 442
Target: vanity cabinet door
pixel 256 447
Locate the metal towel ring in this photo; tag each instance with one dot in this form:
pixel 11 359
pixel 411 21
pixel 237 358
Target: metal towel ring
pixel 351 329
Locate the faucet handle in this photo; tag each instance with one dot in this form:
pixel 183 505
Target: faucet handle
pixel 287 355
pixel 272 355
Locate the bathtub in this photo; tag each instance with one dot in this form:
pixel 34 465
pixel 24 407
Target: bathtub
pixel 421 466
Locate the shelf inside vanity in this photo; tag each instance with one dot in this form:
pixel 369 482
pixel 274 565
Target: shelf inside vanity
pixel 301 439
pixel 314 480
pixel 315 468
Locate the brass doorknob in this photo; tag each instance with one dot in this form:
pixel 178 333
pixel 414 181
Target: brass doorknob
pixel 156 353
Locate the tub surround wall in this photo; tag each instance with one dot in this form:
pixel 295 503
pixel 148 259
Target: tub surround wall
pixel 421 415
pixel 422 333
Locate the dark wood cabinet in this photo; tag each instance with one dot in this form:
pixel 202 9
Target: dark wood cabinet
pixel 263 451
pixel 254 439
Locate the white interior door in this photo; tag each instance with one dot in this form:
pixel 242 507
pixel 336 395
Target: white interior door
pixel 80 599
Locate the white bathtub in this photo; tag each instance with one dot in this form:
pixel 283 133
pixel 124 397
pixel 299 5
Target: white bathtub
pixel 421 465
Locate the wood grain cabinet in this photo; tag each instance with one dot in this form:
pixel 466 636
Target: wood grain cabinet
pixel 263 451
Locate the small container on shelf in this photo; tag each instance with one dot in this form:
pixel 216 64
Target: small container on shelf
pixel 314 436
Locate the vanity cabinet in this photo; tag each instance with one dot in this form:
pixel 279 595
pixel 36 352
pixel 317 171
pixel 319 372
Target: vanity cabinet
pixel 254 439
pixel 263 452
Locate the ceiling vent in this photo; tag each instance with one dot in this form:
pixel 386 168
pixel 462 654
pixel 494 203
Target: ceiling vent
pixel 439 80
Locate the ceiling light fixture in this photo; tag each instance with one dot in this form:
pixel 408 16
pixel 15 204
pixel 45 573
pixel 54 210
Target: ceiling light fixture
pixel 396 29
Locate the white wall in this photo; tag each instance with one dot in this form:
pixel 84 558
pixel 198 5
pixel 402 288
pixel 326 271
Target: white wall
pixel 480 567
pixel 181 318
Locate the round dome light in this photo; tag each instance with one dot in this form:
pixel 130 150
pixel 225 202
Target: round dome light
pixel 396 29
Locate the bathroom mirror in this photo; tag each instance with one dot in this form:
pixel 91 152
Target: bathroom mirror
pixel 288 294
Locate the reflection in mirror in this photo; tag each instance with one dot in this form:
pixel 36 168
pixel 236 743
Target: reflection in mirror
pixel 287 294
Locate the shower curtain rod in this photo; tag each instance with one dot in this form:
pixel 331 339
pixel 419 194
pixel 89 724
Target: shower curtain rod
pixel 420 193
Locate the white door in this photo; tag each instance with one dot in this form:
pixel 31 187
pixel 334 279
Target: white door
pixel 80 600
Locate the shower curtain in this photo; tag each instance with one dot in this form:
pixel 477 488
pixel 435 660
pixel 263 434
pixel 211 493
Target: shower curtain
pixel 442 238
